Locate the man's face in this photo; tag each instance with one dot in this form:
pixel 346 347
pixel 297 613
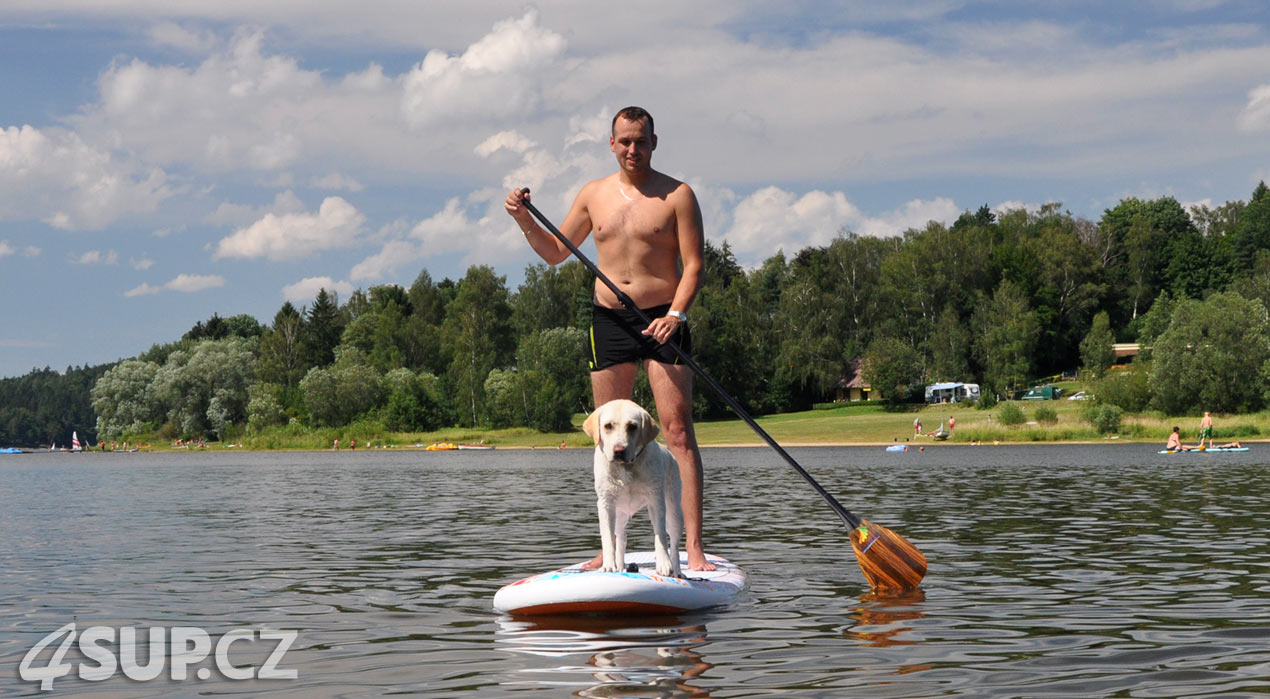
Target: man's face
pixel 632 144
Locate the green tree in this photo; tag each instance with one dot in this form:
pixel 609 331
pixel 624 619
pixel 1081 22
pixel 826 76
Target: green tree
pixel 283 359
pixel 1007 330
pixel 1154 322
pixel 264 406
pixel 1252 232
pixel 810 350
pixel 1214 356
pixel 732 337
pixel 323 328
pixel 1129 389
pixel 338 394
pixel 549 297
pixel 428 300
pixel 414 402
pixel 205 389
pixel 244 326
pixel 949 347
pixel 1096 351
pixel 123 399
pixel 893 369
pixel 478 335
pixel 559 356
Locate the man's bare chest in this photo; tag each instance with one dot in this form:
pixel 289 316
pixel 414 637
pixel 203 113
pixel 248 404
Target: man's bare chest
pixel 649 220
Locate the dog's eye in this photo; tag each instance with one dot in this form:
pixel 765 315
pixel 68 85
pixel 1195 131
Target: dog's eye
pixel 608 427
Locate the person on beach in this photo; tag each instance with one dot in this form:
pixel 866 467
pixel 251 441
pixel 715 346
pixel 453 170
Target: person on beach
pixel 1206 429
pixel 649 242
pixel 917 426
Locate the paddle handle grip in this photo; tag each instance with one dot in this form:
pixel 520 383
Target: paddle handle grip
pixel 847 516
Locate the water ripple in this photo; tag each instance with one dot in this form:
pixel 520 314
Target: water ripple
pixel 1054 571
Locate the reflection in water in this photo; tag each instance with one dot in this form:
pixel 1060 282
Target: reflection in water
pixel 880 617
pixel 650 656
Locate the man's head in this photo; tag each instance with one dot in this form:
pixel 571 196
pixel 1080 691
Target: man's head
pixel 633 140
pixel 633 114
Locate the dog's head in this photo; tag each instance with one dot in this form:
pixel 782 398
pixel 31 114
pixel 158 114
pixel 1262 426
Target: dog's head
pixel 621 429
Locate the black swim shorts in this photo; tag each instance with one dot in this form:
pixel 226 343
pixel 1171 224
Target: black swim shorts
pixel 616 338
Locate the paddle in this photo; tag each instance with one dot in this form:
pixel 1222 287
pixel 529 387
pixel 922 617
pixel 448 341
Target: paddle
pixel 888 560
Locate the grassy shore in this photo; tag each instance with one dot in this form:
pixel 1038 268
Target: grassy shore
pixel 845 424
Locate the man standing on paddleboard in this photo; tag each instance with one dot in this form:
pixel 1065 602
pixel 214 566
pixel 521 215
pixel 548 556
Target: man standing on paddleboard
pixel 1206 429
pixel 649 241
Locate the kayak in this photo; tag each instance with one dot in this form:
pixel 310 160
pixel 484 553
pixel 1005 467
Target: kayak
pixel 571 590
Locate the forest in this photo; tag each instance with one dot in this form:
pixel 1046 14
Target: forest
pixel 1002 300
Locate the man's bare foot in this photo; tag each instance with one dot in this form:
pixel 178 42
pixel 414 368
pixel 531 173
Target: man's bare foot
pixel 697 561
pixel 594 563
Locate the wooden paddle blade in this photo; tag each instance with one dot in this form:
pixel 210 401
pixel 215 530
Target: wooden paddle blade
pixel 889 561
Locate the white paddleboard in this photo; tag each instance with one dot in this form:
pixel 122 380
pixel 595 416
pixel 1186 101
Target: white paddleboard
pixel 571 590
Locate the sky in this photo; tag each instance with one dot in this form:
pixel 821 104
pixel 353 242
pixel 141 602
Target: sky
pixel 161 162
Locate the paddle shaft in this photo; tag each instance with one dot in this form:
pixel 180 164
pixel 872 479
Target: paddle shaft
pixel 846 515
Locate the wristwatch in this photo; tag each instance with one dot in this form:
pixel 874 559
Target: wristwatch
pixel 678 315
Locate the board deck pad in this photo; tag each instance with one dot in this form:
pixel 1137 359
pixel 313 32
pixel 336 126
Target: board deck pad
pixel 570 590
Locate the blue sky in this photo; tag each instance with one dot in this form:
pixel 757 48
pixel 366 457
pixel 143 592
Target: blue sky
pixel 160 162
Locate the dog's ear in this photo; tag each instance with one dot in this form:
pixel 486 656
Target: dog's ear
pixel 648 429
pixel 592 425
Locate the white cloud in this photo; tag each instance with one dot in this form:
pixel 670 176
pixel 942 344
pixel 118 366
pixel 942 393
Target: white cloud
pixel 189 39
pixel 307 289
pixel 141 264
pixel 337 224
pixel 509 140
pixel 96 257
pixel 143 289
pixel 914 214
pixel 501 75
pixel 184 283
pixel 394 255
pixel 6 249
pixel 772 219
pixel 55 176
pixel 189 283
pixel 241 215
pixel 1256 114
pixel 338 181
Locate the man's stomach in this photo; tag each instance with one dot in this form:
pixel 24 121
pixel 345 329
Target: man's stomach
pixel 643 294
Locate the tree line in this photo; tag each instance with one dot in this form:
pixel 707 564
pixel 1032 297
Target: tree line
pixel 993 299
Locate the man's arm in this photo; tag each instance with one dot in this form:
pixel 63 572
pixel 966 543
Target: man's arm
pixel 576 225
pixel 691 250
pixel 691 239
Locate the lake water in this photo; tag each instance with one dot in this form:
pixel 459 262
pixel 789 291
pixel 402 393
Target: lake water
pixel 1085 571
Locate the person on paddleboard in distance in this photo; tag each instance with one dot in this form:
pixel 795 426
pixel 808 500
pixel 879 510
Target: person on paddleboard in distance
pixel 1206 429
pixel 649 242
pixel 1175 441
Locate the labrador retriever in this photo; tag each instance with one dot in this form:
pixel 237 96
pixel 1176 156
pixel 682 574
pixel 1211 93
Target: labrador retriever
pixel 633 470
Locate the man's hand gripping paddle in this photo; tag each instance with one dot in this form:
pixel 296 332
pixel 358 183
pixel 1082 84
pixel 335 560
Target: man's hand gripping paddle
pixel 888 560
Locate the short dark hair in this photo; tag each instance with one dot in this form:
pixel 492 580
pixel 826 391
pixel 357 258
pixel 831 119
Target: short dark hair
pixel 633 114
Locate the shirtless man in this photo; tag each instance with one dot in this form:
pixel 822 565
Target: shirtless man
pixel 1206 429
pixel 649 243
